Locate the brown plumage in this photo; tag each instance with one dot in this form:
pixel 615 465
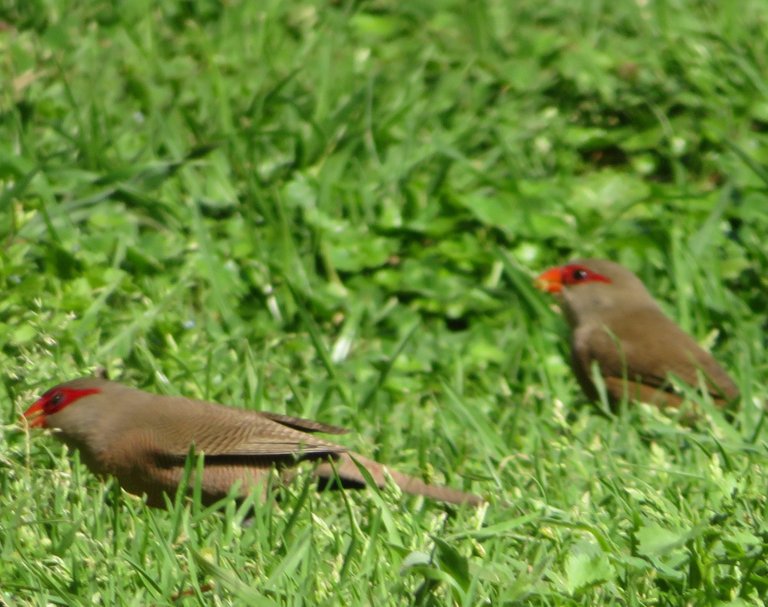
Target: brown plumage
pixel 143 440
pixel 616 323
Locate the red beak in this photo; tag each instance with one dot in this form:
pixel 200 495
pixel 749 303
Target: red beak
pixel 550 280
pixel 35 416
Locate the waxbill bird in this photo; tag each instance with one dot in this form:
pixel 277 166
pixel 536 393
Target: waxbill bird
pixel 616 323
pixel 143 440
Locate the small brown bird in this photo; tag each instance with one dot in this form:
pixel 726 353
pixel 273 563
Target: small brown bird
pixel 616 323
pixel 143 440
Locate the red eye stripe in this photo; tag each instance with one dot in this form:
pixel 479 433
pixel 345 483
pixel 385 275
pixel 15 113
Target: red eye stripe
pixel 575 274
pixel 52 402
pixel 554 280
pixel 55 400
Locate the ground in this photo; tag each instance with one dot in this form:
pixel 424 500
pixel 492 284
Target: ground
pixel 336 210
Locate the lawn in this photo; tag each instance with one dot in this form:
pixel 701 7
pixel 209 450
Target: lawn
pixel 335 210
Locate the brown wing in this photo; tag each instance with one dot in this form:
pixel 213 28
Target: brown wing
pixel 143 466
pixel 646 349
pixel 216 430
pixel 299 423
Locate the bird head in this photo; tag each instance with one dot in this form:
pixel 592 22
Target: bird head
pixel 591 287
pixel 57 399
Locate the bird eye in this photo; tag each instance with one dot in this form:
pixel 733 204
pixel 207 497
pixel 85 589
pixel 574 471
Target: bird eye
pixel 576 274
pixel 56 398
pixel 580 274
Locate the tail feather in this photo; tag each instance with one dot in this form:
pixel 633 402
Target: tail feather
pixel 346 469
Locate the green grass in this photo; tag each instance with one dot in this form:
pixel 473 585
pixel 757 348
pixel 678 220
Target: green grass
pixel 334 209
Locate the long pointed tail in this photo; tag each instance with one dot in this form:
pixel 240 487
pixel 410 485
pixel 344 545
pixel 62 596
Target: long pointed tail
pixel 349 473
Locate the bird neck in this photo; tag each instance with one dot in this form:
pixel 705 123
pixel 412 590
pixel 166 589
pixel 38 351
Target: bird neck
pixel 590 305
